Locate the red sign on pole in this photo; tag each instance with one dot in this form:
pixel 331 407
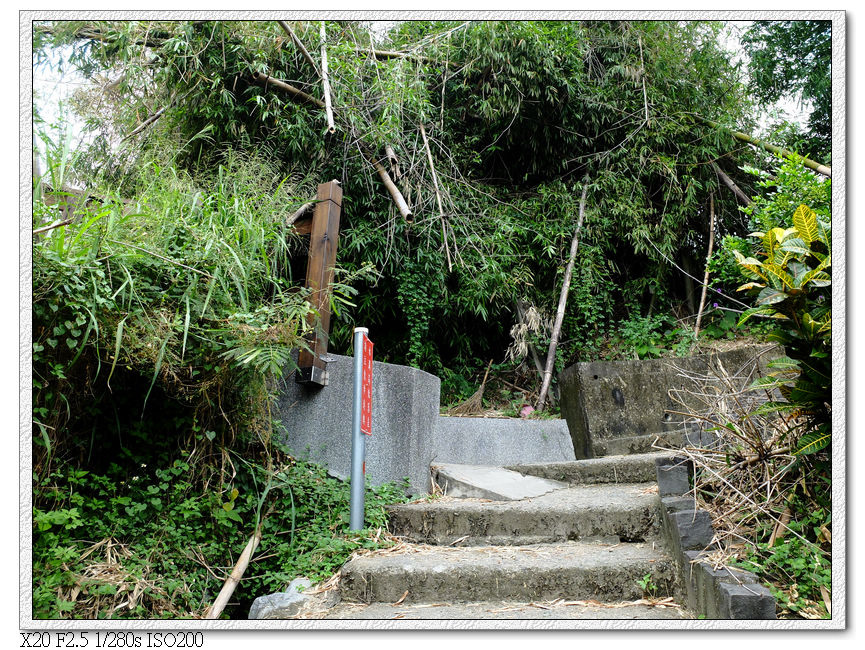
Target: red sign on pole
pixel 366 388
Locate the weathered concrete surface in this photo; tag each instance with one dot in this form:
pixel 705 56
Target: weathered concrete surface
pixel 723 593
pixel 408 434
pixel 614 407
pixel 573 571
pixel 485 482
pixel 567 610
pixel 405 405
pixel 500 441
pixel 612 513
pixel 635 468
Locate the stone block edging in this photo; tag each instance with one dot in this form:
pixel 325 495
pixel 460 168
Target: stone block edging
pixel 713 594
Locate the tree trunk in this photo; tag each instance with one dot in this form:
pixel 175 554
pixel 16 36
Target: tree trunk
pixel 563 300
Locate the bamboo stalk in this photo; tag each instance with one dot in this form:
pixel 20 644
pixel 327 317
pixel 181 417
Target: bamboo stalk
pixel 166 259
pixel 394 191
pixel 729 183
pixel 771 148
pixel 52 226
pixel 708 257
pixel 394 161
pixel 296 93
pixel 233 580
pixel 563 299
pixel 643 77
pixel 438 195
pixel 306 207
pixel 306 55
pixel 325 82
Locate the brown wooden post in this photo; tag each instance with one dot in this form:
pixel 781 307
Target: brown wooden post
pixel 323 240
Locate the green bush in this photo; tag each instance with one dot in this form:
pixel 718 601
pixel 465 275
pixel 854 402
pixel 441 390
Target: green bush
pixel 160 543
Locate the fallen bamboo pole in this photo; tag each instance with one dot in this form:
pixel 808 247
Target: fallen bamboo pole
pixel 233 580
pixel 729 183
pixel 296 93
pixel 394 161
pixel 302 210
pixel 325 82
pixel 771 148
pixel 563 300
pixel 396 195
pixel 438 195
pixel 708 258
pixel 306 55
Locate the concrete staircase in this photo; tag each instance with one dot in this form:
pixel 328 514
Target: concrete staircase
pixel 558 541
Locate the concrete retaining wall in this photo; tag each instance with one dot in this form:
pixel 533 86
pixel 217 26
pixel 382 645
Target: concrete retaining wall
pixel 500 441
pixel 405 406
pixel 408 434
pixel 620 407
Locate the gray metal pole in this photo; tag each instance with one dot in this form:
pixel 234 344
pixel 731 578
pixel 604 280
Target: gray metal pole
pixel 358 441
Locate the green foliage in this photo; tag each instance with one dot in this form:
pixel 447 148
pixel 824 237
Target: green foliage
pixel 795 57
pixel 798 567
pixel 792 284
pixel 648 586
pixel 514 112
pixel 168 537
pixel 649 337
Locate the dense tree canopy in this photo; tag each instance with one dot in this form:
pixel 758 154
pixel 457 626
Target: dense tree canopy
pixel 794 57
pixel 519 115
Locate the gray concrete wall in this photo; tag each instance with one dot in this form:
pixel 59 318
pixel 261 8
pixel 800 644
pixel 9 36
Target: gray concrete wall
pixel 500 441
pixel 618 407
pixel 405 406
pixel 407 432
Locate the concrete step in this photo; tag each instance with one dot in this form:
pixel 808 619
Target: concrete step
pixel 555 610
pixel 485 482
pixel 573 571
pixel 626 468
pixel 613 513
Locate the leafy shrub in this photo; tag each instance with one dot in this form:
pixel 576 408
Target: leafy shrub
pixel 160 543
pixel 792 284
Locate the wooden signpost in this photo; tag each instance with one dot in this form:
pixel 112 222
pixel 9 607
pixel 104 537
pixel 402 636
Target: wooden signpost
pixel 323 229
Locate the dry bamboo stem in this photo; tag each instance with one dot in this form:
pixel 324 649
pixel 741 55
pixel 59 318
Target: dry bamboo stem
pixel 394 161
pixel 306 207
pixel 236 574
pixel 52 226
pixel 563 300
pixel 708 257
pixel 296 93
pixel 394 191
pixel 729 183
pixel 288 30
pixel 643 76
pixel 438 195
pixel 325 82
